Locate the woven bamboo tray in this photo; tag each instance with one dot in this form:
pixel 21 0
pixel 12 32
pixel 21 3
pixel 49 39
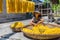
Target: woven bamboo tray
pixel 41 36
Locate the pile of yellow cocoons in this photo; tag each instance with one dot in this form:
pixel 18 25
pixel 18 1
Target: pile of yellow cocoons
pixel 42 29
pixel 17 25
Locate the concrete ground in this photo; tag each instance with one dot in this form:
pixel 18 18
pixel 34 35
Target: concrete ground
pixel 7 34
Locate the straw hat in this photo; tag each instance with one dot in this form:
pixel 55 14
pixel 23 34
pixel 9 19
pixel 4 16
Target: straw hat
pixel 36 12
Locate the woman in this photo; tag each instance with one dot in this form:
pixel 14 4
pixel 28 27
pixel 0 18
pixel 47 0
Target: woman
pixel 37 18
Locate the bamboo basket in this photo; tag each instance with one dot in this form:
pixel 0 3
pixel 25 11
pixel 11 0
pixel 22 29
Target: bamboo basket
pixel 41 36
pixel 16 30
pixel 19 29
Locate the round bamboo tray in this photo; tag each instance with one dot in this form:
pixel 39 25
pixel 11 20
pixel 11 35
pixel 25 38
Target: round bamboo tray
pixel 41 36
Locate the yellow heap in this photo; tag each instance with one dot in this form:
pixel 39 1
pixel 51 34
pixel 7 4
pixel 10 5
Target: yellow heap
pixel 52 31
pixel 42 29
pixel 17 25
pixel 19 6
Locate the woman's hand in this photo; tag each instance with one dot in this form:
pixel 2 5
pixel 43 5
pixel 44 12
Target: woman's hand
pixel 34 24
pixel 41 21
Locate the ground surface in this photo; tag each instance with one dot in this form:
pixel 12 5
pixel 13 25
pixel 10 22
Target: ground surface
pixel 6 31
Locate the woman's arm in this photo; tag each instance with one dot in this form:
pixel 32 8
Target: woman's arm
pixel 41 21
pixel 31 22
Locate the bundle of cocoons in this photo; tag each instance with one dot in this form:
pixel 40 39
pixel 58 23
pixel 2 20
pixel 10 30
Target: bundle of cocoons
pixel 19 6
pixel 42 29
pixel 55 30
